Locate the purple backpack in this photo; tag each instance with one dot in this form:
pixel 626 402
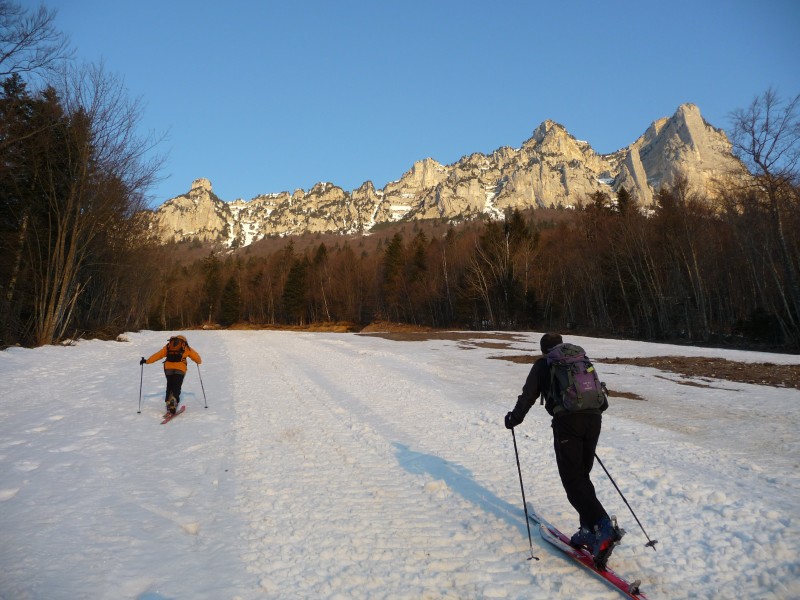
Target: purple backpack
pixel 574 384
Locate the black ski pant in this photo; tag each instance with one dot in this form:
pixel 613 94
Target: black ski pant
pixel 174 383
pixel 575 438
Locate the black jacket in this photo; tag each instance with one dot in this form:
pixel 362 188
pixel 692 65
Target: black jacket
pixel 538 384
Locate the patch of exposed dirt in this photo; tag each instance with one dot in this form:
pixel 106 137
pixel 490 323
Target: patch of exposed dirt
pixel 522 359
pixel 389 328
pixel 529 359
pixel 491 345
pixel 787 376
pixel 770 374
pixel 628 395
pixel 420 335
pixel 323 327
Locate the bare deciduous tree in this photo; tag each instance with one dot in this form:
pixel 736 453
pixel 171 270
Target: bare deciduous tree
pixel 766 136
pixel 29 40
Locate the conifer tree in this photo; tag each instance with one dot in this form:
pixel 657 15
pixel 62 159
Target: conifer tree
pixel 295 293
pixel 230 302
pixel 212 286
pixel 624 201
pixel 393 280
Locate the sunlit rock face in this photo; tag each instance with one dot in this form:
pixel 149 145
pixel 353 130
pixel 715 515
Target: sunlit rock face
pixel 550 169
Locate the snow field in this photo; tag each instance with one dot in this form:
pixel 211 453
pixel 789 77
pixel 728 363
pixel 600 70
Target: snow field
pixel 348 466
pixel 371 537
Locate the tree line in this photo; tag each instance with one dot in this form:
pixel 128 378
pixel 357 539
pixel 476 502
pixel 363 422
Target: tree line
pixel 76 257
pixel 691 270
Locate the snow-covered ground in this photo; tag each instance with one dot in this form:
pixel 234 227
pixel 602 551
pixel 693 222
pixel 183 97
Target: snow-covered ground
pixel 346 466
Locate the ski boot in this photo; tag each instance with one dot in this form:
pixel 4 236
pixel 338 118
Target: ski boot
pixel 606 536
pixel 583 538
pixel 172 404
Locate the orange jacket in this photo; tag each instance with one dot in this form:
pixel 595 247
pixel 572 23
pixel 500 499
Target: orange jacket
pixel 176 366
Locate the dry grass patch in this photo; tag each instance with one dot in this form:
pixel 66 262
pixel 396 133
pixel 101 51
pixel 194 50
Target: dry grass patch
pixel 787 376
pixel 770 374
pixel 418 335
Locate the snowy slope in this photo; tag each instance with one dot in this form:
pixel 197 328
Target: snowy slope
pixel 347 466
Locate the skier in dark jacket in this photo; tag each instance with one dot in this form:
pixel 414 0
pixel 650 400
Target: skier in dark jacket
pixel 575 436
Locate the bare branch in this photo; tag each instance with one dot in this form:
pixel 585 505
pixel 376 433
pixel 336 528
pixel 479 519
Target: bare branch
pixel 29 40
pixel 766 136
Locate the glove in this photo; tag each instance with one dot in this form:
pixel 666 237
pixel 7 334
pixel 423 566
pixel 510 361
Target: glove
pixel 509 421
pixel 141 362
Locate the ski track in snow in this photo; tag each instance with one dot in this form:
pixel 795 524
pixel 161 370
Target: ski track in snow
pixel 347 466
pixel 368 539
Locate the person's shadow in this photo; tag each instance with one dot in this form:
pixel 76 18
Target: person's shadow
pixel 461 481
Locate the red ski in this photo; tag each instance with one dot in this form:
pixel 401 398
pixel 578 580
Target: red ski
pixel 560 541
pixel 169 416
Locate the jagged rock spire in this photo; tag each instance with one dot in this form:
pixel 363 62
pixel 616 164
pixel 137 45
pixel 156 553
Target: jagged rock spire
pixel 550 169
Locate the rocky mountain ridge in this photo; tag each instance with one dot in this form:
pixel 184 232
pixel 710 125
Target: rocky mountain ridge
pixel 550 169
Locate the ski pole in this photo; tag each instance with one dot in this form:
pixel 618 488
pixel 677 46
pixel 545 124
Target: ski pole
pixel 651 543
pixel 201 385
pixel 141 377
pixel 522 488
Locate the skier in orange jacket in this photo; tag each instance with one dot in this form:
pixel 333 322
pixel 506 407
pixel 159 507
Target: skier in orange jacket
pixel 176 351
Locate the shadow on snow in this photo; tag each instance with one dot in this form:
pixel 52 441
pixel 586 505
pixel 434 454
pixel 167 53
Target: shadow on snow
pixel 461 481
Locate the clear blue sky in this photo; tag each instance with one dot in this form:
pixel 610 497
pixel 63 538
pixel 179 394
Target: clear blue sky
pixel 275 95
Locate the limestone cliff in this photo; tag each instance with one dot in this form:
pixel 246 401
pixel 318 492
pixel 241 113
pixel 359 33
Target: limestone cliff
pixel 550 169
